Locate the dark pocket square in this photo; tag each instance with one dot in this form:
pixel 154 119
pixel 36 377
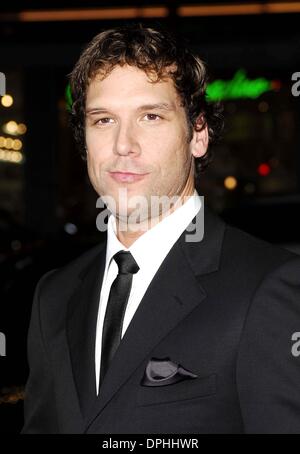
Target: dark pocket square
pixel 160 372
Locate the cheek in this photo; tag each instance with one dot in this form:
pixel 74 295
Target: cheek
pixel 95 164
pixel 89 137
pixel 91 168
pixel 175 155
pixel 98 152
pixel 97 140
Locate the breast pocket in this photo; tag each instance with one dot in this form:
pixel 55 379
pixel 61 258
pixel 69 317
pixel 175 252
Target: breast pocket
pixel 187 389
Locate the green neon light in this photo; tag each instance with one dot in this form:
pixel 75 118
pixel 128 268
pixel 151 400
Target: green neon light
pixel 238 87
pixel 68 97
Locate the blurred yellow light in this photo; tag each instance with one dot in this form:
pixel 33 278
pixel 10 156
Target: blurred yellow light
pixel 11 156
pixel 11 127
pixel 17 156
pixel 263 106
pixel 2 141
pixel 230 183
pixel 8 143
pixel 22 128
pixel 7 100
pixel 17 144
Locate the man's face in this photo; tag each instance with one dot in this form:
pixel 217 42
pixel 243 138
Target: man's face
pixel 135 126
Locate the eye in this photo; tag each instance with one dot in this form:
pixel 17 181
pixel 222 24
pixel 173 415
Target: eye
pixel 151 115
pixel 103 121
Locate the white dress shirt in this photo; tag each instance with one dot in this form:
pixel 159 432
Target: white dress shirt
pixel 149 251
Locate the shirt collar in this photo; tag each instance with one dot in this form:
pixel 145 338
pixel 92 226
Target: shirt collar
pixel 153 245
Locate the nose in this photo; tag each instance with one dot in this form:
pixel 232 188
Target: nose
pixel 126 140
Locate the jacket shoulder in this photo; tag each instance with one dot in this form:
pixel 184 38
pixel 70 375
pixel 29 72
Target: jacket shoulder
pixel 240 246
pixel 63 279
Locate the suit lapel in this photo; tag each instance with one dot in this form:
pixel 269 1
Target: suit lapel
pixel 81 328
pixel 173 293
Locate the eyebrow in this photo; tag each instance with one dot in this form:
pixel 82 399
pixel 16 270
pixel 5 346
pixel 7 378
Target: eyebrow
pixel 158 106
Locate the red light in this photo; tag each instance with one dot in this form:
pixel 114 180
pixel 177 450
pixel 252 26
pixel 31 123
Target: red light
pixel 276 85
pixel 264 169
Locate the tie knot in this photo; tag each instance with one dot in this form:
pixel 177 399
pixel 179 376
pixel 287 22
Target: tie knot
pixel 126 263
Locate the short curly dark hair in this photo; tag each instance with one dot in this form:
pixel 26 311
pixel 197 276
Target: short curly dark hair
pixel 155 51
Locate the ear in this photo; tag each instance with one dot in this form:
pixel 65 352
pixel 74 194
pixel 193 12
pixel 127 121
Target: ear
pixel 199 142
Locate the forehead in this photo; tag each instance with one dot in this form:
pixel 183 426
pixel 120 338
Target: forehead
pixel 131 83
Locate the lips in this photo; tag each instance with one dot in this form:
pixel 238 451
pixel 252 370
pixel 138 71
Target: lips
pixel 127 177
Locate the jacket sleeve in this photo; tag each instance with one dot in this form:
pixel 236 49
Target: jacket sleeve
pixel 39 404
pixel 268 365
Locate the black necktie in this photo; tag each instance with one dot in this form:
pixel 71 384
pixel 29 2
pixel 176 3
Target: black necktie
pixel 115 310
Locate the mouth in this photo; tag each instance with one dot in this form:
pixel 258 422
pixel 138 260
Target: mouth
pixel 127 177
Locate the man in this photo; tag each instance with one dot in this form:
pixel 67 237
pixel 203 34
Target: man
pixel 160 329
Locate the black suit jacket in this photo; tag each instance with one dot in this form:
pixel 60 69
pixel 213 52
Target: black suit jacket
pixel 222 310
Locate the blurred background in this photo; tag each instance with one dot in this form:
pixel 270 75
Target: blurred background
pixel 47 205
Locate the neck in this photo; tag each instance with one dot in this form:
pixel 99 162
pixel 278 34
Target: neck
pixel 127 234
